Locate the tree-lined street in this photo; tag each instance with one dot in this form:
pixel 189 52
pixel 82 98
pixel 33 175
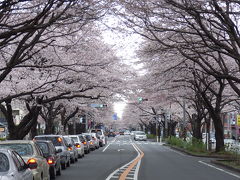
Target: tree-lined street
pixel 159 162
pixel 163 71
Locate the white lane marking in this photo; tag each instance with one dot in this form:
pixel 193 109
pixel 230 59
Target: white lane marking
pixel 227 172
pixel 124 166
pixel 106 147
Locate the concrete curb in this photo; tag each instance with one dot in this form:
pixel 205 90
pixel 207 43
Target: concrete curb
pixel 218 162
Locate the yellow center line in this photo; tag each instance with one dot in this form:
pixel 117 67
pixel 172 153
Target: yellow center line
pixel 125 173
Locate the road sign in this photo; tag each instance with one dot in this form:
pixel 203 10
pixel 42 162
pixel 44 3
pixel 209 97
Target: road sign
pixel 98 105
pixel 115 116
pixel 238 120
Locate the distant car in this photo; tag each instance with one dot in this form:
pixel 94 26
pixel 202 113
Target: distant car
pixel 85 142
pixel 72 149
pixel 121 132
pixel 140 135
pixel 95 139
pixel 127 133
pixel 78 144
pixel 52 156
pixel 32 155
pixel 90 141
pixel 59 143
pixel 100 133
pixel 13 167
pixel 111 134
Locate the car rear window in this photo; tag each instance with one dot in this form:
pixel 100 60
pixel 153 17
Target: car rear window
pixel 88 137
pixel 57 141
pixel 44 147
pixel 140 133
pixel 75 139
pixel 99 133
pixel 22 149
pixel 4 163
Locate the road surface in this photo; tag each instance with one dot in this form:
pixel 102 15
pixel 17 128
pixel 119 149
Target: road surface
pixel 124 158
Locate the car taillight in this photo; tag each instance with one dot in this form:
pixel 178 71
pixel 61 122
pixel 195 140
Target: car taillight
pixel 32 163
pixel 78 146
pixel 69 148
pixel 91 142
pixel 50 161
pixel 84 142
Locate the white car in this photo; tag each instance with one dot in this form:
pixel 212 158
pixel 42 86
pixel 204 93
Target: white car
pixel 78 144
pixel 32 155
pixel 127 132
pixel 13 167
pixel 140 135
pixel 100 133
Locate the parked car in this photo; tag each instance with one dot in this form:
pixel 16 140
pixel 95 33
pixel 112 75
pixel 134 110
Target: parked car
pixel 95 139
pixel 78 144
pixel 90 141
pixel 85 143
pixel 32 155
pixel 72 149
pixel 52 156
pixel 100 133
pixel 59 143
pixel 13 167
pixel 140 135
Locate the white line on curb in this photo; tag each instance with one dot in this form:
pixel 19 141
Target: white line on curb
pixel 219 169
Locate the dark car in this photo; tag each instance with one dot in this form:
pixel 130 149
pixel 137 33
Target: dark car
pixel 59 143
pixel 52 156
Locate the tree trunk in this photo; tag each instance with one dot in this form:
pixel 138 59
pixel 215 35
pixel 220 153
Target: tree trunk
pixel 49 127
pixel 196 127
pixel 219 134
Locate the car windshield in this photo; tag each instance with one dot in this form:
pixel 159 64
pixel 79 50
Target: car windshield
pixel 57 141
pixel 44 147
pixel 140 133
pixel 21 148
pixel 4 163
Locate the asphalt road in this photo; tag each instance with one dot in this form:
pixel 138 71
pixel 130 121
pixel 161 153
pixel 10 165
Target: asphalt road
pixel 159 162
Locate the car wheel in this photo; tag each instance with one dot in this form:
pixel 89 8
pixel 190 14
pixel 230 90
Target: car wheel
pixel 68 163
pixel 53 173
pixel 58 173
pixel 72 160
pixel 63 165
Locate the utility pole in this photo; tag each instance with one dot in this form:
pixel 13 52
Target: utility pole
pixel 86 122
pixel 74 125
pixel 184 119
pixel 157 130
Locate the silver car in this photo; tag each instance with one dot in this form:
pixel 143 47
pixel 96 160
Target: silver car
pixel 72 149
pixel 140 135
pixel 13 167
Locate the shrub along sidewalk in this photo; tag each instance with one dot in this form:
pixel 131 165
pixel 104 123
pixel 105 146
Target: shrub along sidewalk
pixel 230 160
